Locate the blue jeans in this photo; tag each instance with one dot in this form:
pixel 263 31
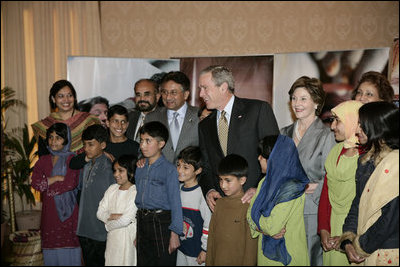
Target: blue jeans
pixel 62 257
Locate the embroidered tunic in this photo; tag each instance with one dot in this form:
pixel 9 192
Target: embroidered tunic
pixel 54 233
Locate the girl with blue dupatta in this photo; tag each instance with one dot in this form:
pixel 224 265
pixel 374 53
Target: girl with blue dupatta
pixel 57 184
pixel 275 214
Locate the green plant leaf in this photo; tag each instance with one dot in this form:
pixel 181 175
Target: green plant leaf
pixel 18 148
pixel 8 101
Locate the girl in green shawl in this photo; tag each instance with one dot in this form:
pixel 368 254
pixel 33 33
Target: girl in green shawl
pixel 339 184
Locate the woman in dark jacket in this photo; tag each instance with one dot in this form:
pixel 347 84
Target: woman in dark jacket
pixel 371 236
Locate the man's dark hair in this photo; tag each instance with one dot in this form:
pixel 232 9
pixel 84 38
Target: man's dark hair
pixel 178 77
pixel 152 82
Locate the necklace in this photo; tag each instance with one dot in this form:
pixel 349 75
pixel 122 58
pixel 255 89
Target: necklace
pixel 296 132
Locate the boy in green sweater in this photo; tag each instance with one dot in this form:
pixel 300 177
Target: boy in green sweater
pixel 229 238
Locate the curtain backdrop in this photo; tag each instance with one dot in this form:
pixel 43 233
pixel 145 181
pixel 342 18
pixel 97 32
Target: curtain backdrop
pixel 36 38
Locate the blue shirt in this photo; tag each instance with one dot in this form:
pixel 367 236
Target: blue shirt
pixel 181 118
pixel 158 188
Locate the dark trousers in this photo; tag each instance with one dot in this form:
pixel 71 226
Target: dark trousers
pixel 153 238
pixel 92 251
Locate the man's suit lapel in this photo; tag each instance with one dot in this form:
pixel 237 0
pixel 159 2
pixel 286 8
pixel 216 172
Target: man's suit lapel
pixel 156 111
pixel 237 118
pixel 133 120
pixel 164 119
pixel 187 125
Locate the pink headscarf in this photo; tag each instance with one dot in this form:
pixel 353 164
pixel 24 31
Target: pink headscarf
pixel 347 112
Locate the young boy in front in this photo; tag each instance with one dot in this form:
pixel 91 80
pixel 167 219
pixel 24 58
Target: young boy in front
pixel 196 214
pixel 96 178
pixel 229 239
pixel 159 215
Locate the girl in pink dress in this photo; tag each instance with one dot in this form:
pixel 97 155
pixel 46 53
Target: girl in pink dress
pixel 57 184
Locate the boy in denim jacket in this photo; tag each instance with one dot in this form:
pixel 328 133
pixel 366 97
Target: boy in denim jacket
pixel 159 216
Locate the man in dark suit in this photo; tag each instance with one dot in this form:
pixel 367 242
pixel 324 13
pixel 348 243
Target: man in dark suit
pixel 146 98
pixel 180 118
pixel 246 122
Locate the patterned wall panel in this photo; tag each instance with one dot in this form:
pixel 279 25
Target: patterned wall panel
pixel 194 28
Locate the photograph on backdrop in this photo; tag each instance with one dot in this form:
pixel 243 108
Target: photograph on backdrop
pixel 113 78
pixel 394 70
pixel 339 72
pixel 265 77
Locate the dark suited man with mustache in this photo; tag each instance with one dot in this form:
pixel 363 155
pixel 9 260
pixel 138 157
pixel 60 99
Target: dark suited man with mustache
pixel 146 98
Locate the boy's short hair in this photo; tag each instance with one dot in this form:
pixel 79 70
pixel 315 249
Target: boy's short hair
pixel 234 165
pixel 96 132
pixel 156 130
pixel 61 129
pixel 191 155
pixel 117 109
pixel 266 145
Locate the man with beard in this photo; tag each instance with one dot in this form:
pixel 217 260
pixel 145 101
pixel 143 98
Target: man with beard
pixel 146 98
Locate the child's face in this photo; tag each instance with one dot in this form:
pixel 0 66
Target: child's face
pixel 263 164
pixel 120 175
pixel 231 185
pixel 56 142
pixel 150 146
pixel 93 148
pixel 186 172
pixel 117 125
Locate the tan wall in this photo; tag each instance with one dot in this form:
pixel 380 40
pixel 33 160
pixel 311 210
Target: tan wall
pixel 180 29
